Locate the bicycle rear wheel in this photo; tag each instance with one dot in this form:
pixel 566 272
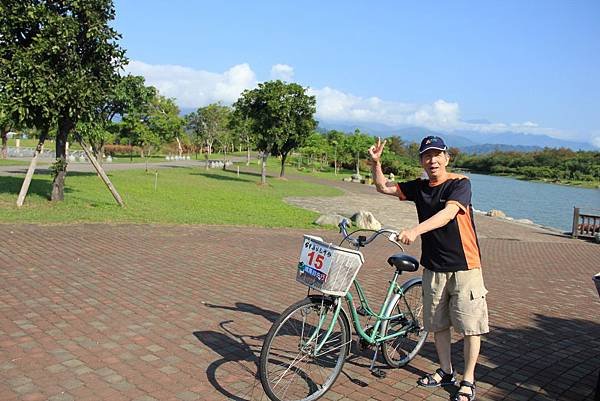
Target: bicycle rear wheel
pixel 400 350
pixel 290 368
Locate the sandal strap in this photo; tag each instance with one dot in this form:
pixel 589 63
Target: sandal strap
pixel 429 378
pixel 466 383
pixel 441 372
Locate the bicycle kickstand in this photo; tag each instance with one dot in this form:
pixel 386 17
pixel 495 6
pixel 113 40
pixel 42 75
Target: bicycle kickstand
pixel 377 372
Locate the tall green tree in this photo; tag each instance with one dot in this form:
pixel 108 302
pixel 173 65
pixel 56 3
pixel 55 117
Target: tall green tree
pixel 6 124
pixel 60 60
pixel 242 129
pixel 130 95
pixel 209 125
pixel 336 140
pixel 356 145
pixel 154 125
pixel 281 116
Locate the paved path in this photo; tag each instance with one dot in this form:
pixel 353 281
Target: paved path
pixel 144 312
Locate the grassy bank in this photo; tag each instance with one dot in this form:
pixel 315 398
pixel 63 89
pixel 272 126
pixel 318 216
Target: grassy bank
pixel 182 196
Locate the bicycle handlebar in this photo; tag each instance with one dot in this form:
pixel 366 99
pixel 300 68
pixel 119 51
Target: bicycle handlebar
pixel 362 241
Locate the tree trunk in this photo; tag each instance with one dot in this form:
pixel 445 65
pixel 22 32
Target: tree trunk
pixel 263 169
pixel 31 170
pixel 179 148
pixel 248 155
pixel 4 152
pixel 65 126
pixel 357 164
pixel 102 174
pixel 282 172
pixel 97 151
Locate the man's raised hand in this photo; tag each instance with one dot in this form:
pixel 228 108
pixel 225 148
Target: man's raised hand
pixel 376 150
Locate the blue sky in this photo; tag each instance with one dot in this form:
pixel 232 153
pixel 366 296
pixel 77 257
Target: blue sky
pixel 486 66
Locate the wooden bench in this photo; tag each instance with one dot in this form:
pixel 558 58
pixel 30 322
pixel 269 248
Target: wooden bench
pixel 585 225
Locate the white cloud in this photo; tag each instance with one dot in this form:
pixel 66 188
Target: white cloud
pixel 336 105
pixel 195 88
pixel 282 71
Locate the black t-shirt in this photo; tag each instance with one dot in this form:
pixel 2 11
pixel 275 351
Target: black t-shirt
pixel 454 246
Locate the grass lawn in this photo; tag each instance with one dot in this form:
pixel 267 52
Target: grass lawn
pixel 274 167
pixel 183 196
pixel 12 162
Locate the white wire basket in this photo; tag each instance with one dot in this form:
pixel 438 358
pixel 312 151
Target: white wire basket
pixel 327 268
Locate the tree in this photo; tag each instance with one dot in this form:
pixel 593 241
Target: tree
pixel 130 95
pixel 59 63
pixel 154 125
pixel 356 145
pixel 209 125
pixel 6 124
pixel 396 145
pixel 315 145
pixel 281 117
pixel 336 140
pixel 242 129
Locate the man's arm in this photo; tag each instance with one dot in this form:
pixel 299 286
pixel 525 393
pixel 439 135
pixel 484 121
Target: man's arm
pixel 381 183
pixel 440 219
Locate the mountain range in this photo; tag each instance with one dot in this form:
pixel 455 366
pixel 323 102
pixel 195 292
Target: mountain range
pixel 467 141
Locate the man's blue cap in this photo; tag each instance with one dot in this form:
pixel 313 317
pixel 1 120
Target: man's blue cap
pixel 432 142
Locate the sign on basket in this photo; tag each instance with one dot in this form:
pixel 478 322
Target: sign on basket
pixel 326 267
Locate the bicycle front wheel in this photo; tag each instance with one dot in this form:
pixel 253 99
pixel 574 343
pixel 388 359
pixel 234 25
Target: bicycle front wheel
pixel 292 366
pixel 400 350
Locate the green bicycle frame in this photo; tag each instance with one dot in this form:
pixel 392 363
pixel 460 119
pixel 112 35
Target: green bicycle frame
pixel 374 338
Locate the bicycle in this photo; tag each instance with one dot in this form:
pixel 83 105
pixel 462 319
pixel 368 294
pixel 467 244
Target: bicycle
pixel 307 346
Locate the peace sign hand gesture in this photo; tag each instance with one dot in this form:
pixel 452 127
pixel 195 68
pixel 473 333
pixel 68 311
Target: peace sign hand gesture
pixel 376 150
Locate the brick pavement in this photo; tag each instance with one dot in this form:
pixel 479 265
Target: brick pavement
pixel 138 312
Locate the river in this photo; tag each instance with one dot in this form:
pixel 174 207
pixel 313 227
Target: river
pixel 546 204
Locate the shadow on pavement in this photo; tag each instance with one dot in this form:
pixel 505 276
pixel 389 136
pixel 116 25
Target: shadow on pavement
pixel 556 357
pixel 235 348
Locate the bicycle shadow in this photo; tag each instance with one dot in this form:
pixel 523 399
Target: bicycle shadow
pixel 232 348
pixel 241 350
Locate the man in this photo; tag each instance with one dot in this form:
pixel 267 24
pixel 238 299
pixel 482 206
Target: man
pixel 453 289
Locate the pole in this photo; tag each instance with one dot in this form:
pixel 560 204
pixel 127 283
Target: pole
pixel 30 171
pixel 101 173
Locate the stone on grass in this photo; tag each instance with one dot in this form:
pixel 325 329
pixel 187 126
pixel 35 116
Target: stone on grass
pixel 330 219
pixel 365 219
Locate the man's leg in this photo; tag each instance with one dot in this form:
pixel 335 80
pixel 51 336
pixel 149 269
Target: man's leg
pixel 471 347
pixel 442 341
pixel 471 350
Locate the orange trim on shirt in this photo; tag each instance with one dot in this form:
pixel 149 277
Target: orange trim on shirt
pixel 468 240
pixel 462 207
pixel 400 193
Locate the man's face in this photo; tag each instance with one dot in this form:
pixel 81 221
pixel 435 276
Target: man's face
pixel 434 163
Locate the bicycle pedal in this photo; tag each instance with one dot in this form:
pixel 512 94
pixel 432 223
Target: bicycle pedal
pixel 362 311
pixel 379 373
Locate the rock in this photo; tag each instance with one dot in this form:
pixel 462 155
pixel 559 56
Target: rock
pixel 365 219
pixel 347 179
pixel 331 219
pixel 495 213
pixel 524 221
pixel 357 177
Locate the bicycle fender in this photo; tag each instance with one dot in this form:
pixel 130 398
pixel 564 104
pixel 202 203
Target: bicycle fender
pixel 410 282
pixel 392 300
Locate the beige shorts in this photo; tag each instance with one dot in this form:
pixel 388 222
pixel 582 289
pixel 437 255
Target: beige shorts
pixel 455 299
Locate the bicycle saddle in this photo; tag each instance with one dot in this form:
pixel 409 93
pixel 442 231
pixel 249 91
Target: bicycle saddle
pixel 403 262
